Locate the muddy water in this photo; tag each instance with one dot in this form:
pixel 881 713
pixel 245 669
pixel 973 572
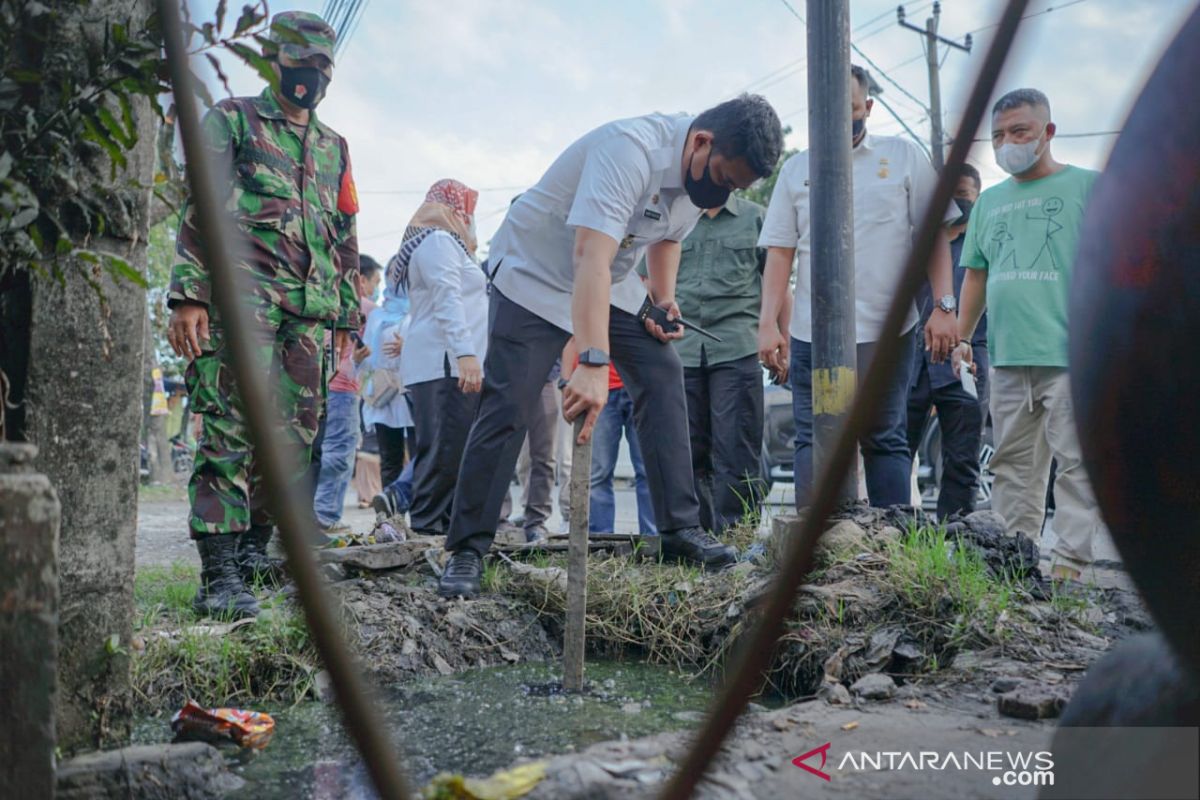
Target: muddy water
pixel 472 722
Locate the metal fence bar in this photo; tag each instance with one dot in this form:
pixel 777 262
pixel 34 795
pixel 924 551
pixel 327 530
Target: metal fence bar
pixel 758 651
pixel 291 506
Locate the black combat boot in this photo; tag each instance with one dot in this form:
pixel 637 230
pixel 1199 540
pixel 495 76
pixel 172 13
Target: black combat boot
pixel 253 562
pixel 223 593
pixel 697 546
pixel 462 574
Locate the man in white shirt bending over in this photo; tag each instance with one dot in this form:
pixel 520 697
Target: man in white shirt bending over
pixel 893 182
pixel 562 265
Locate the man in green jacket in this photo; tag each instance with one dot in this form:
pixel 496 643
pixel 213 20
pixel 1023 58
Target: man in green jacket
pixel 293 199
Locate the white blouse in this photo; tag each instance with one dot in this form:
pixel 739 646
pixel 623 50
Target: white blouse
pixel 447 293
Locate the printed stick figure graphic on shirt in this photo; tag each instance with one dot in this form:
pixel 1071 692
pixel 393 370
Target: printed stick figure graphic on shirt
pixel 1051 208
pixel 1001 239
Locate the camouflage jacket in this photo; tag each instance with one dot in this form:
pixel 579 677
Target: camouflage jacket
pixel 294 200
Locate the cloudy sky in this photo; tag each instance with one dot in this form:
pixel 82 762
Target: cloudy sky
pixel 489 91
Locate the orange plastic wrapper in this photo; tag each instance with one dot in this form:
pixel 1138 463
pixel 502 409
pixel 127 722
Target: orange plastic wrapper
pixel 247 728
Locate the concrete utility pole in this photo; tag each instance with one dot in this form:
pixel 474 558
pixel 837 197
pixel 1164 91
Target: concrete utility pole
pixel 832 224
pixel 937 136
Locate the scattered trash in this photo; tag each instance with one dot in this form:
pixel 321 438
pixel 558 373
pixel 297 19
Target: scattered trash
pixel 246 728
pixel 387 532
pixel 506 784
pixel 849 726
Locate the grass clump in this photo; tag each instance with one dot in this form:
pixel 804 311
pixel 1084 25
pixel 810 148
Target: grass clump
pixel 666 613
pixel 948 587
pixel 179 656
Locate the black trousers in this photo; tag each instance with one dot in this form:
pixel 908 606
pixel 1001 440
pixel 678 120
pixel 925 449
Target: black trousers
pixel 442 417
pixel 961 418
pixel 725 418
pixel 521 349
pixel 391 451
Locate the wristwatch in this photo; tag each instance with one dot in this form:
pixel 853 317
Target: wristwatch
pixel 593 357
pixel 947 303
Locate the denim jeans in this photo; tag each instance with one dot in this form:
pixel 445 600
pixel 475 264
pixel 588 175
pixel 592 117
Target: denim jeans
pixel 885 445
pixel 401 489
pixel 337 456
pixel 617 417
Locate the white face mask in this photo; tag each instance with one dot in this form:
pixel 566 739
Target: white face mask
pixel 1017 158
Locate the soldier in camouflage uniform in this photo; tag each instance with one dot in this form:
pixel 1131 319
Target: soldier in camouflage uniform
pixel 293 197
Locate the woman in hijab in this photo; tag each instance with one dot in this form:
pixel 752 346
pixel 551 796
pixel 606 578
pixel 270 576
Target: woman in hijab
pixel 443 353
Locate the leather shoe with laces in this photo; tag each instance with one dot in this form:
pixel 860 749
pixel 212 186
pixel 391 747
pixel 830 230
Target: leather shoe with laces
pixel 462 574
pixel 697 546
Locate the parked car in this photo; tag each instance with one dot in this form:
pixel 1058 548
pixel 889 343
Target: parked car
pixel 779 432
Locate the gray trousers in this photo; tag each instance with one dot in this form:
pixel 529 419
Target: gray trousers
pixel 442 417
pixel 521 350
pixel 535 466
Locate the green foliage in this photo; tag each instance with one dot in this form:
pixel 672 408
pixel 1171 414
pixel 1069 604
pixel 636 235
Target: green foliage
pixel 68 122
pixel 760 192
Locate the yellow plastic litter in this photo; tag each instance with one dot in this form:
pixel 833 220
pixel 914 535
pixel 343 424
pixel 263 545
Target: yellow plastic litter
pixel 506 784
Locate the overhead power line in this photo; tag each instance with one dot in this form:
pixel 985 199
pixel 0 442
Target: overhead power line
pixel 883 73
pixel 1047 10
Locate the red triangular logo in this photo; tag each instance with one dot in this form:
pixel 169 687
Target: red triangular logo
pixel 823 750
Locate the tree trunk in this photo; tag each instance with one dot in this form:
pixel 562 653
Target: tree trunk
pixel 84 413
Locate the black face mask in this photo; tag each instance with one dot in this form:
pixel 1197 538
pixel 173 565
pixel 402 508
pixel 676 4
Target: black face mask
pixel 302 86
pixel 856 127
pixel 704 192
pixel 964 207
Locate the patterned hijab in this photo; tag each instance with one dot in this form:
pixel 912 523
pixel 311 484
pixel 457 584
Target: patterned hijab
pixel 449 206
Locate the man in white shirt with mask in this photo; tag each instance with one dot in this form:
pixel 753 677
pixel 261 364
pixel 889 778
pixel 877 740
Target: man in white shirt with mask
pixel 563 260
pixel 893 183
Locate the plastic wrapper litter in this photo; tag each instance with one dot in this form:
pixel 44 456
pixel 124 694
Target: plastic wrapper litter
pixel 250 729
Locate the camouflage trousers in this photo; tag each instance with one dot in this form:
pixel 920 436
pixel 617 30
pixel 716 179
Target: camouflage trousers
pixel 226 489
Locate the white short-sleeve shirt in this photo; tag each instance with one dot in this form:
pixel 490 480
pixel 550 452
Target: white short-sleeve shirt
pixel 622 179
pixel 893 183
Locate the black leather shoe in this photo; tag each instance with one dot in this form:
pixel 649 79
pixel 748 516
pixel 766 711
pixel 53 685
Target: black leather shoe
pixel 222 593
pixel 253 562
pixel 697 546
pixel 462 574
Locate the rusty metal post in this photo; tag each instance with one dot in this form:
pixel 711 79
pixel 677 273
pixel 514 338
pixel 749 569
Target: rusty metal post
pixel 29 516
pixel 580 488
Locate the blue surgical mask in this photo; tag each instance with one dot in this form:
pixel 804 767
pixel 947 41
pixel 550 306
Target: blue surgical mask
pixel 856 127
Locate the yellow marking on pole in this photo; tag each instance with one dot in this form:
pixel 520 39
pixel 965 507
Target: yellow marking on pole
pixel 833 390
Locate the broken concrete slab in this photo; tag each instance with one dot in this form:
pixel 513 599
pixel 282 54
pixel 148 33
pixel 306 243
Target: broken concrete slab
pixel 187 771
pixel 376 557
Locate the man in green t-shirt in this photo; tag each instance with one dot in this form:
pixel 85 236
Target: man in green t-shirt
pixel 1020 248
